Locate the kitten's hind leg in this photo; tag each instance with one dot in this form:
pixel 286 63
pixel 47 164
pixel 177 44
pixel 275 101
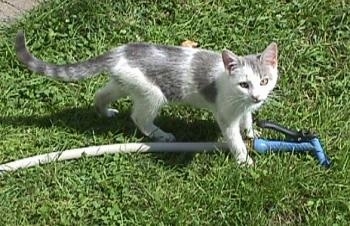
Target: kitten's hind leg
pixel 145 110
pixel 107 95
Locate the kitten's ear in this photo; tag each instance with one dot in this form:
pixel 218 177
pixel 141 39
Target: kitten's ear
pixel 270 55
pixel 230 60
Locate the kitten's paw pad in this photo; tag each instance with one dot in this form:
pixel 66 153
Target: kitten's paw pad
pixel 111 112
pixel 166 137
pixel 256 133
pixel 251 134
pixel 245 160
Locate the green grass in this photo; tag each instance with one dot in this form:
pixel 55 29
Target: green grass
pixel 39 115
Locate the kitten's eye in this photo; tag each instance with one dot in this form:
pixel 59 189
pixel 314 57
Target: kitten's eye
pixel 264 82
pixel 244 85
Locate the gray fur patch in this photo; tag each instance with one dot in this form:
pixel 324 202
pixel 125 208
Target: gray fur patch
pixel 67 72
pixel 254 62
pixel 202 66
pixel 136 51
pixel 163 65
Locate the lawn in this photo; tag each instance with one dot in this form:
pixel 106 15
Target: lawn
pixel 39 115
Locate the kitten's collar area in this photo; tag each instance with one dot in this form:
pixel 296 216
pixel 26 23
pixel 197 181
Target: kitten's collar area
pixel 256 106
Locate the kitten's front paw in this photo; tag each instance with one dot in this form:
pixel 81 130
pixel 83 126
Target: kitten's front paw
pixel 111 112
pixel 257 133
pixel 245 160
pixel 165 137
pixel 251 133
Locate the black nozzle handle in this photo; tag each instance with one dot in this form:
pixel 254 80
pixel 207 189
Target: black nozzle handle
pixel 297 135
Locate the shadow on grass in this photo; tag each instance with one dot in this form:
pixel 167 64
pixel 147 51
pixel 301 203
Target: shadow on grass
pixel 85 119
pixel 77 119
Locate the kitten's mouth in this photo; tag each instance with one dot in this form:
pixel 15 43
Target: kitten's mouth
pixel 256 100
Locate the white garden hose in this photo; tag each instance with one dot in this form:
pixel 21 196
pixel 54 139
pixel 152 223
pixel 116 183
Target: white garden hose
pixel 109 149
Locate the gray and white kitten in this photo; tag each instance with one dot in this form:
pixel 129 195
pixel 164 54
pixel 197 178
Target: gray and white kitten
pixel 230 86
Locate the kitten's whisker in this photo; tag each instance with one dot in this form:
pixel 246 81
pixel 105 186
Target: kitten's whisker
pixel 231 100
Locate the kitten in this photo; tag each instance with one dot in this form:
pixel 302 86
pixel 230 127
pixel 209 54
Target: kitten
pixel 230 86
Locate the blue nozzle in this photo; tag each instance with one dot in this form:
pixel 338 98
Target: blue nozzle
pixel 263 146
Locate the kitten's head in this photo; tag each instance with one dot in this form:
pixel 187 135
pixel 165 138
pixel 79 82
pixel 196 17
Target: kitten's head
pixel 252 77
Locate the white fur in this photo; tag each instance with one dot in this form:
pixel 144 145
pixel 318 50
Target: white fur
pixel 233 111
pixel 147 98
pixel 225 84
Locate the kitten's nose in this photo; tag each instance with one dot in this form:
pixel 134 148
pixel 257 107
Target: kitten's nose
pixel 257 99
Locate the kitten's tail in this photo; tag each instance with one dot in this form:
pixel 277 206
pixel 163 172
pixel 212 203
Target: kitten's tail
pixel 67 72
